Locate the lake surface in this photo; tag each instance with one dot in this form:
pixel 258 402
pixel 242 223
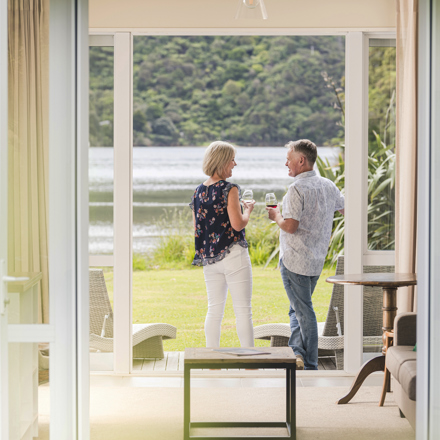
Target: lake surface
pixel 164 179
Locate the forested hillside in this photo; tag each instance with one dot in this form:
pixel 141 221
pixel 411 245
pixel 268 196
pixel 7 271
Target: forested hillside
pixel 249 90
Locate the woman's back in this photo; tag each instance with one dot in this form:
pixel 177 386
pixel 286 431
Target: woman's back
pixel 214 234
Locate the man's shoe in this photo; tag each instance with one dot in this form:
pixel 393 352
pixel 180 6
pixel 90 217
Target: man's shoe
pixel 299 362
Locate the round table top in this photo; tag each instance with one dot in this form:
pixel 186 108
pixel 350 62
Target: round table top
pixel 376 279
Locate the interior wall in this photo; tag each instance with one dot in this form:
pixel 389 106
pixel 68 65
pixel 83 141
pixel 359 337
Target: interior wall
pixel 342 14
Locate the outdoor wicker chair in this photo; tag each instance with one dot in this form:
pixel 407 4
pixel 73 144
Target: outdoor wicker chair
pixel 331 332
pixel 147 338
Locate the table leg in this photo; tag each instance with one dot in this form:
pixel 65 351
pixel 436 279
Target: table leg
pixel 378 363
pixel 186 402
pixel 386 388
pixel 389 313
pixel 375 364
pixel 288 396
pixel 293 403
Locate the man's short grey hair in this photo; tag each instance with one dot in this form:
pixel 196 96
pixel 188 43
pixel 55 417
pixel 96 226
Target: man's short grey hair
pixel 305 147
pixel 217 156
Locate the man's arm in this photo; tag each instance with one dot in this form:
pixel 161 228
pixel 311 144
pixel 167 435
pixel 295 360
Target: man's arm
pixel 286 224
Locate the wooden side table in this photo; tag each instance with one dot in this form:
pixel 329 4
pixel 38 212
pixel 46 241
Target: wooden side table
pixel 205 358
pixel 389 283
pixel 386 388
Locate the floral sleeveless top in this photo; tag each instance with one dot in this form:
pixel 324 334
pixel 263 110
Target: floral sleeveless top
pixel 214 236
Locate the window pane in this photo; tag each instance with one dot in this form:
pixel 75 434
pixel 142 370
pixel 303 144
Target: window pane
pixel 101 151
pixel 381 144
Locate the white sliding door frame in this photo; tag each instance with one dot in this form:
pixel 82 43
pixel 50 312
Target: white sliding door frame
pixel 424 181
pixel 4 355
pixel 356 136
pixel 123 202
pixel 68 218
pixel 356 191
pixel 82 187
pixel 356 249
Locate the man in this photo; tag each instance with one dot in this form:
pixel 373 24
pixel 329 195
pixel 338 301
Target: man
pixel 306 226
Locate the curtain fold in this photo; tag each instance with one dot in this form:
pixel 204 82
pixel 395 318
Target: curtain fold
pixel 28 113
pixel 406 148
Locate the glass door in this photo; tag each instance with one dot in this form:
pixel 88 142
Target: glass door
pixel 41 220
pixel 101 200
pixel 26 330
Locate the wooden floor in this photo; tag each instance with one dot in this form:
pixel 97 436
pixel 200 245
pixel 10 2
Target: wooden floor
pixel 173 361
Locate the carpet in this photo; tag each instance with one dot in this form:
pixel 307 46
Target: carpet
pixel 135 413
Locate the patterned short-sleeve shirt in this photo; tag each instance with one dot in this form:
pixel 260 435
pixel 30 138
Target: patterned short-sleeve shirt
pixel 312 200
pixel 214 235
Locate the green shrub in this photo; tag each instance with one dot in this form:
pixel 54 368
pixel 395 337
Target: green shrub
pixel 262 237
pixel 139 262
pixel 176 250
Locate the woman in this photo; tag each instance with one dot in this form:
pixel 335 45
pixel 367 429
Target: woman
pixel 221 246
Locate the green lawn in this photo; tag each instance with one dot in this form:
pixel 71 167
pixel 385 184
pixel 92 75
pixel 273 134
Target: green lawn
pixel 178 297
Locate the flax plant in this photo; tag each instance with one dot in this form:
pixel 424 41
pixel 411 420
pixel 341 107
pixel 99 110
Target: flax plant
pixel 381 191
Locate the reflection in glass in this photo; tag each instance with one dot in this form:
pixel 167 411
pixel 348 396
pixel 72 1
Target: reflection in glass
pixel 29 410
pixel 101 319
pixel 381 144
pixel 28 142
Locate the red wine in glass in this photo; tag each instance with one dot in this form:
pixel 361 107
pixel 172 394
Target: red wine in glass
pixel 271 200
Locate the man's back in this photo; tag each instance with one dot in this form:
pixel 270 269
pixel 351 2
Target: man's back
pixel 312 201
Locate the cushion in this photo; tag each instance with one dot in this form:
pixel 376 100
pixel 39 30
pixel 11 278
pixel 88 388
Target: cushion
pixel 408 378
pixel 398 356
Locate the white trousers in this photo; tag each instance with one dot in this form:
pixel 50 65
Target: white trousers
pixel 235 272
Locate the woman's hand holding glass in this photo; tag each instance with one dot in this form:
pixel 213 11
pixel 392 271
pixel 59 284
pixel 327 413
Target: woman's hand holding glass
pixel 248 200
pixel 248 206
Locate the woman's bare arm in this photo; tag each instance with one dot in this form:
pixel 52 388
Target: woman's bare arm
pixel 238 220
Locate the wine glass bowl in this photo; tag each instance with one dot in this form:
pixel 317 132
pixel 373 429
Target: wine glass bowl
pixel 248 196
pixel 271 200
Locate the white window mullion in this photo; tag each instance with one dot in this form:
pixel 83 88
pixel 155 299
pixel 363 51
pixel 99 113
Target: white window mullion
pixel 123 203
pixel 356 125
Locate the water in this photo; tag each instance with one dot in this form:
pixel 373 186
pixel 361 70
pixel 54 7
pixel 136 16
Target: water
pixel 164 178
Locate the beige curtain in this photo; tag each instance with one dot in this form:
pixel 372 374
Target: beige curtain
pixel 406 147
pixel 28 70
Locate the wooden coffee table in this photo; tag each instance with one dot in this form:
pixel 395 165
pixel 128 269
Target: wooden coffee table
pixel 205 358
pixel 389 283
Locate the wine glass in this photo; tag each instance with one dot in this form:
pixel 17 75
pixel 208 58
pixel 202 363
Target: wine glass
pixel 271 201
pixel 248 196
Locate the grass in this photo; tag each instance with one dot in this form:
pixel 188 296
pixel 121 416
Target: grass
pixel 178 297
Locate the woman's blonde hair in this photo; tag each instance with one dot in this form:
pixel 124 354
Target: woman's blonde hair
pixel 216 157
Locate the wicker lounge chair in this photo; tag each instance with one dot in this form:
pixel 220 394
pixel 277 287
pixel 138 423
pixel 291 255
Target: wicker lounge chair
pixel 147 338
pixel 330 343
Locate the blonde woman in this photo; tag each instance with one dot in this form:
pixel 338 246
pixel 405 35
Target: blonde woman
pixel 221 246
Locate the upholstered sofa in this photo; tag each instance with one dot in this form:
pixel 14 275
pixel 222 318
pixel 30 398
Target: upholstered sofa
pixel 401 362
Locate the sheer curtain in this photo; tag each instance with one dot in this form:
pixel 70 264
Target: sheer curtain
pixel 28 112
pixel 406 147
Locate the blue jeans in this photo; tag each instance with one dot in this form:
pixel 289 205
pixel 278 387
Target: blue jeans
pixel 303 324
